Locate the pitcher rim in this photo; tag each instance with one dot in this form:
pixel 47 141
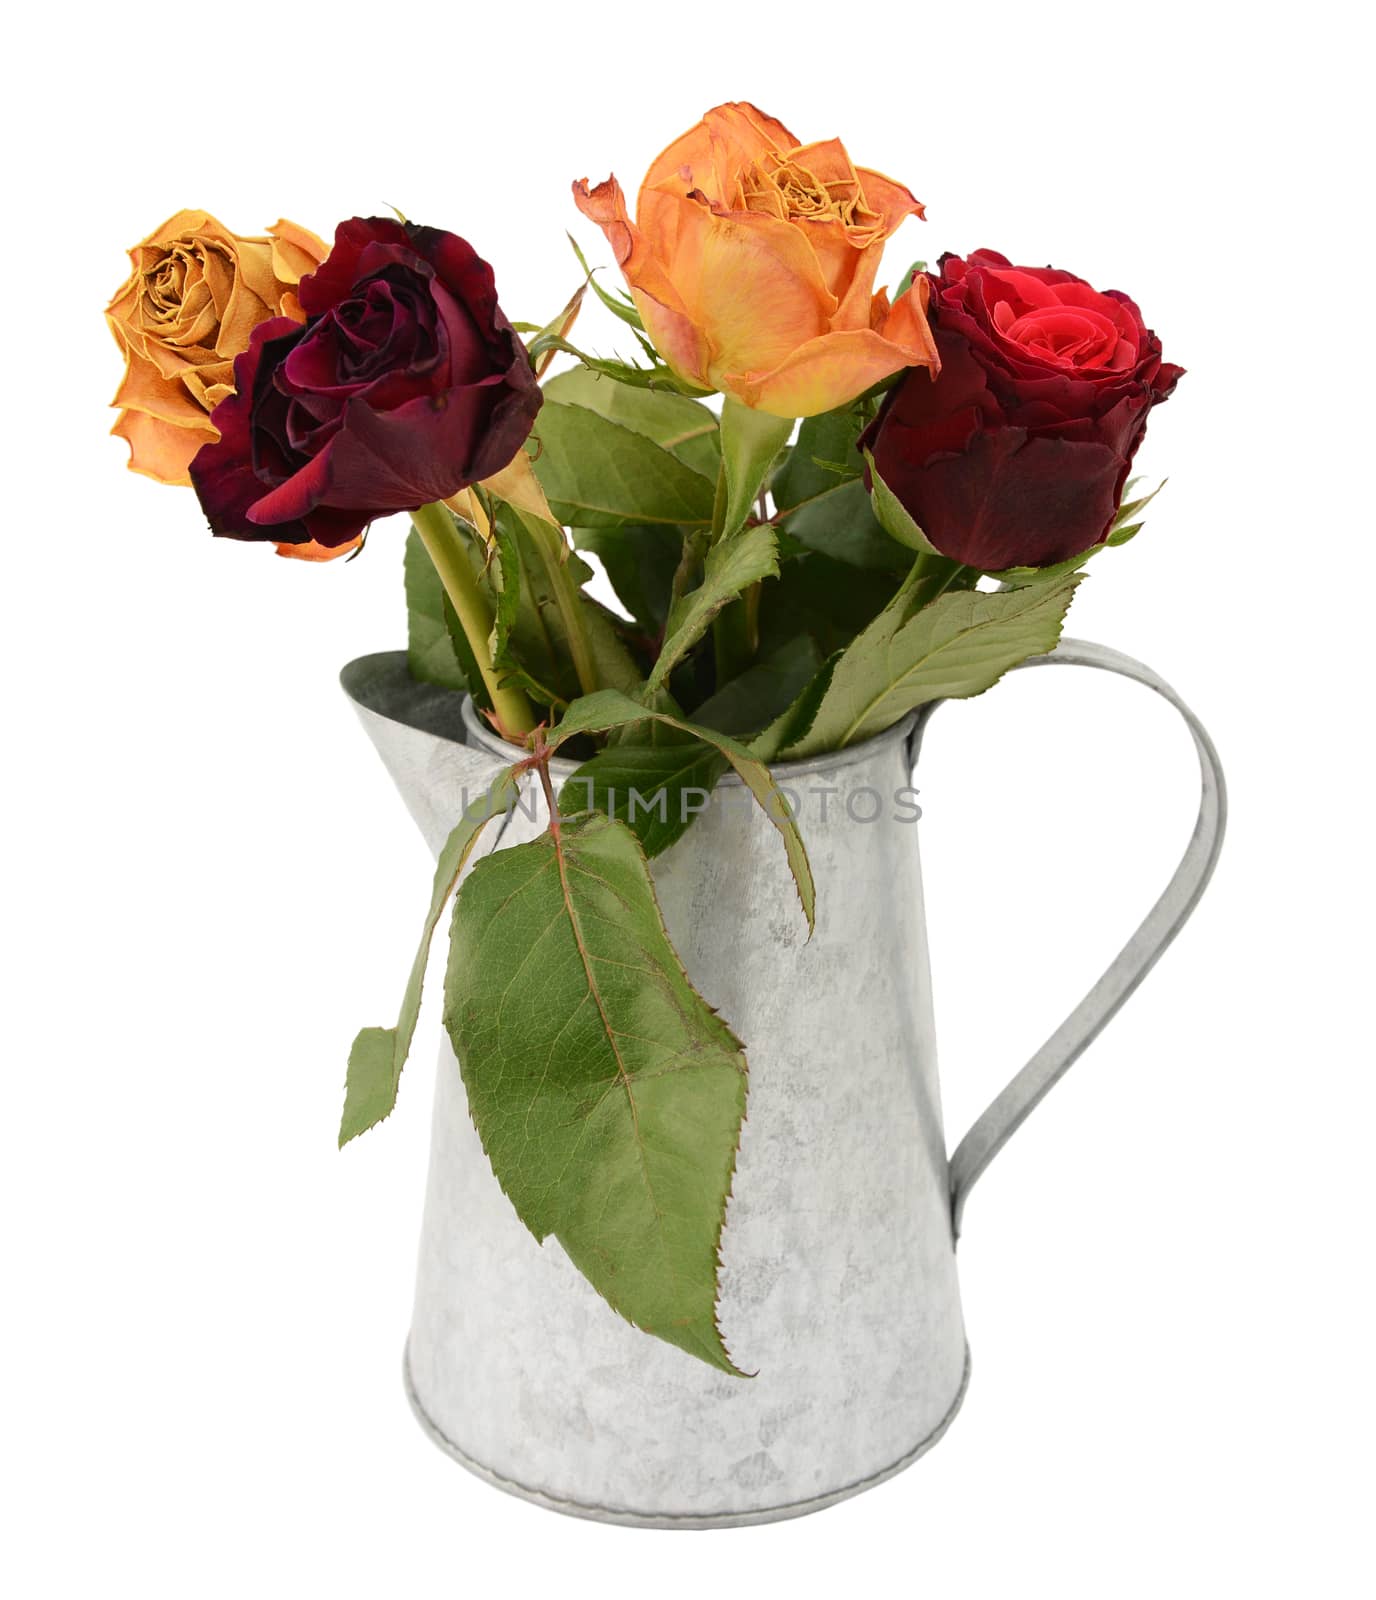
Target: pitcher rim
pixel 477 732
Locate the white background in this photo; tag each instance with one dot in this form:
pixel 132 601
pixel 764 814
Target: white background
pixel 209 884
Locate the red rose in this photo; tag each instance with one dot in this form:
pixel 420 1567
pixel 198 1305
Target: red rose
pixel 1017 454
pixel 405 384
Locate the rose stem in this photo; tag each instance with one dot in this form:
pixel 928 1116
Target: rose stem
pixel 732 648
pixel 441 539
pixel 554 555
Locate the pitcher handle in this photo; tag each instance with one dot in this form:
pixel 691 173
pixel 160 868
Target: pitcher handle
pixel 1007 1112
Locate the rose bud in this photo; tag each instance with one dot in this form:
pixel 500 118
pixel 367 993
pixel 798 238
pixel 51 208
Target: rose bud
pixel 406 384
pixel 752 262
pixel 195 294
pixel 1017 454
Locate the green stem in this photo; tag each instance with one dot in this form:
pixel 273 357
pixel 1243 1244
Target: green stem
pixel 930 566
pixel 731 629
pixel 569 603
pixel 445 548
pixel 719 503
pixel 734 638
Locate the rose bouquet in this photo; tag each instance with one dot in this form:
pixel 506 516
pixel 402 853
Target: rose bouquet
pixel 891 505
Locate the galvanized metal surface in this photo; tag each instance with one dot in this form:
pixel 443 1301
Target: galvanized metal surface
pixel 839 1281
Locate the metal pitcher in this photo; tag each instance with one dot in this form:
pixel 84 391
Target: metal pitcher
pixel 838 1282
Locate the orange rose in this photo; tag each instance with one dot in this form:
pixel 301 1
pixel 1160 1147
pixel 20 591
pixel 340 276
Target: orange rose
pixel 752 262
pixel 195 294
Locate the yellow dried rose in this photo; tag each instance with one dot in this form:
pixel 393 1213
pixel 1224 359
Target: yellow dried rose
pixel 752 260
pixel 195 294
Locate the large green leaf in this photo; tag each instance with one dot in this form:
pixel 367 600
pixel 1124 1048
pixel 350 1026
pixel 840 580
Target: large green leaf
pixel 601 712
pixel 732 565
pixel 597 473
pixel 378 1054
pixel 956 645
pixel 683 427
pixel 429 652
pixel 607 1094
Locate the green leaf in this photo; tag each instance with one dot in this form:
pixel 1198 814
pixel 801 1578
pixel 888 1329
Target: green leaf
pixel 607 709
pixel 750 441
pixel 557 328
pixel 597 473
pixel 655 376
pixel 957 645
pixel 762 692
pixel 656 790
pixel 732 565
pixel 792 725
pixel 1122 533
pixel 1129 509
pixel 824 457
pixel 429 653
pixel 618 304
pixel 893 517
pixel 841 523
pixel 641 563
pixel 546 583
pixel 821 500
pixel 378 1054
pixel 828 600
pixel 463 654
pixel 505 577
pixel 607 1094
pixel 683 427
pixel 612 661
pixel 1022 577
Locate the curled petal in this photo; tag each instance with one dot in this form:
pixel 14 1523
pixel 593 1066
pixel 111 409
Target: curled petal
pixel 711 155
pixel 380 238
pixel 157 451
pixel 905 324
pixel 311 550
pixel 296 251
pixel 660 305
pixel 892 202
pixel 144 389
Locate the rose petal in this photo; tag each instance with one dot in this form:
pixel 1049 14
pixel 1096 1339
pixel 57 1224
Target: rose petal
pixel 759 294
pixel 296 251
pixel 824 373
pixel 311 550
pixel 159 450
pixel 660 305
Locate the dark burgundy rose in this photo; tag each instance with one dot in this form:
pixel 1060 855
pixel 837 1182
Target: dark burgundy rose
pixel 1017 454
pixel 405 384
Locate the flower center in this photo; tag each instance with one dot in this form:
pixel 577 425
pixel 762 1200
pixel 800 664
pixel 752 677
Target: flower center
pixel 788 190
pixel 165 284
pixel 1066 336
